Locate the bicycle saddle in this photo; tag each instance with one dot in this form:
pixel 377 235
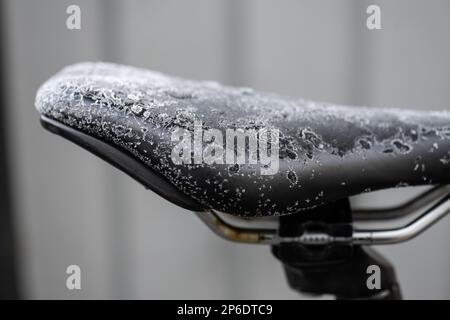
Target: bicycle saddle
pixel 326 152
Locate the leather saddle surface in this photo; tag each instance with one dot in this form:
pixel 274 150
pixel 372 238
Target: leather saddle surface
pixel 193 142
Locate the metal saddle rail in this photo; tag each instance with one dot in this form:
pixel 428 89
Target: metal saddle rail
pixel 246 233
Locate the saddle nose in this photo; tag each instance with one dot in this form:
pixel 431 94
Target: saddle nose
pixel 205 146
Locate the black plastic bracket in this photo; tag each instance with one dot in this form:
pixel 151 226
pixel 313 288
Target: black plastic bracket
pixel 337 269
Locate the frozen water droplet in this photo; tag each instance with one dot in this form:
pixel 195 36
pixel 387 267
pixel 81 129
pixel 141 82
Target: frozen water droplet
pixel 401 146
pixel 292 176
pixel 234 168
pixel 365 144
pixel 136 109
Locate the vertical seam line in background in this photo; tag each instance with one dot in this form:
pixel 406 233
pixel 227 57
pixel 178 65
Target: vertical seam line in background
pixel 8 272
pixel 117 200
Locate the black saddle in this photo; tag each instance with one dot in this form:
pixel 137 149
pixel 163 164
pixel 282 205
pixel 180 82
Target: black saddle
pixel 128 117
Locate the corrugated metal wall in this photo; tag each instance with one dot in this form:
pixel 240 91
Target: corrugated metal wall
pixel 72 208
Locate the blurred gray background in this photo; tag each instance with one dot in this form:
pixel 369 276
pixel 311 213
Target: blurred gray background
pixel 72 208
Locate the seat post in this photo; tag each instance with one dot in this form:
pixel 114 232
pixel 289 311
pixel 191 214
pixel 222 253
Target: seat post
pixel 339 269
